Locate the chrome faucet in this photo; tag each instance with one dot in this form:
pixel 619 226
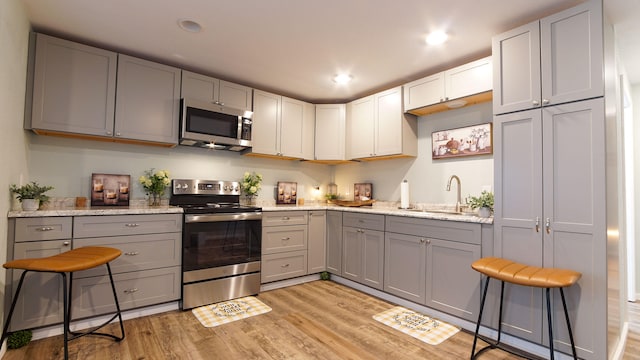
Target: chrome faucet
pixel 459 200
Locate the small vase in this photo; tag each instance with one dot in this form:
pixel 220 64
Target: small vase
pixel 484 212
pixel 251 200
pixel 30 204
pixel 154 199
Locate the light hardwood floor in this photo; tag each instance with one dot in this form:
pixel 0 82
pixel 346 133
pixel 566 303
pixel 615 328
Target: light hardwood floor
pixel 316 320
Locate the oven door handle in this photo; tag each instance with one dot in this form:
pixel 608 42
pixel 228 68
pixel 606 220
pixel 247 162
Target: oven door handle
pixel 199 218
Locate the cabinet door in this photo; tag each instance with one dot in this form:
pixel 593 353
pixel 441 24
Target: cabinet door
pixel 309 131
pixel 292 128
pixel 334 242
pixel 147 101
pixel 516 69
pixel 360 127
pixel 571 52
pixel 424 92
pixel 404 266
pixel 199 87
pixel 74 87
pixel 265 130
pixel 373 258
pixel 469 79
pixel 449 262
pixel 575 208
pixel 317 244
pixel 236 96
pixel 518 219
pixel 40 301
pixel 330 132
pixel 388 127
pixel 352 261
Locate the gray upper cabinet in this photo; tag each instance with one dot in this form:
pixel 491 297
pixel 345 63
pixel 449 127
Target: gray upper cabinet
pixel 206 88
pixel 551 211
pixel 555 60
pixel 74 88
pixel 147 101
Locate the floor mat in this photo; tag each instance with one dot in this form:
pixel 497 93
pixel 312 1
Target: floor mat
pixel 228 311
pixel 421 327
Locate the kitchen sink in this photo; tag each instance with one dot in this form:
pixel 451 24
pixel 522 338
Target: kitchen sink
pixel 442 211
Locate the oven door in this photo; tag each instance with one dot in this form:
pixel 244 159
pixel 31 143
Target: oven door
pixel 215 240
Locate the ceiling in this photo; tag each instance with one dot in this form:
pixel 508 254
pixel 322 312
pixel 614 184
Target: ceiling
pixel 295 47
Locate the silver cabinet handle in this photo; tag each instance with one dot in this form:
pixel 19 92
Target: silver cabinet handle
pixel 66 243
pixel 285 218
pixel 535 103
pixel 132 253
pixel 545 101
pixel 428 241
pixel 109 133
pixel 537 224
pixel 284 266
pixel 118 134
pixel 286 238
pixel 547 225
pixel 130 291
pixel 422 240
pixel 132 225
pixel 44 228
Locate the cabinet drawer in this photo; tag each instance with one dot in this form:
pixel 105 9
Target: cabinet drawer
pixel 436 229
pixel 44 228
pixel 93 295
pixel 139 252
pixel 283 266
pixel 364 221
pixel 284 238
pixel 284 218
pixel 115 225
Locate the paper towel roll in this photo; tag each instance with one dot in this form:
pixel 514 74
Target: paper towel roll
pixel 404 194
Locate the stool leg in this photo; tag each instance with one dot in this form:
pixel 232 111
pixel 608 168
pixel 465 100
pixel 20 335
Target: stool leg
pixel 115 298
pixel 475 337
pixel 65 307
pixel 500 313
pixel 13 306
pixel 566 317
pixel 551 357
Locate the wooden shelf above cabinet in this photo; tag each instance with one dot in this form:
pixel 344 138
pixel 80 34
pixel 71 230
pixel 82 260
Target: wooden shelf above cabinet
pixel 432 109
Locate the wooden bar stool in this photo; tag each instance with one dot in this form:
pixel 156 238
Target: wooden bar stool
pixel 520 274
pixel 79 259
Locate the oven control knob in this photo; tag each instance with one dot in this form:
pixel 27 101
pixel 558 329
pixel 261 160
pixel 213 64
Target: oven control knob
pixel 226 188
pixel 185 186
pixel 237 188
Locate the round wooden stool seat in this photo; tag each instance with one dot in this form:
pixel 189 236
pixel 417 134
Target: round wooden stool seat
pixel 516 273
pixel 79 259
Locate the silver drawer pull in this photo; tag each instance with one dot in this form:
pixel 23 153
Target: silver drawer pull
pixel 286 238
pixel 285 265
pixel 66 243
pixel 130 291
pixel 285 218
pixel 132 225
pixel 44 228
pixel 132 253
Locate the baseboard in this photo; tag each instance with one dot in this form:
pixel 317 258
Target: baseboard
pixel 289 282
pixel 619 350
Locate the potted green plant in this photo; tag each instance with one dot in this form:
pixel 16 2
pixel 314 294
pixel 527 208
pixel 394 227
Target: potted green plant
pixel 484 203
pixel 31 195
pixel 251 186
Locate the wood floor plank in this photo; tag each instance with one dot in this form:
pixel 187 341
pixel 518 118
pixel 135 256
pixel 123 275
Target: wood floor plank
pixel 316 320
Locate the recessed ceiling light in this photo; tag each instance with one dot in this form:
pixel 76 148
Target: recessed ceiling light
pixel 342 78
pixel 437 37
pixel 189 25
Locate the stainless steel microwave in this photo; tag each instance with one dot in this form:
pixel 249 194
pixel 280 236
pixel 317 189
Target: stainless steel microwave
pixel 214 126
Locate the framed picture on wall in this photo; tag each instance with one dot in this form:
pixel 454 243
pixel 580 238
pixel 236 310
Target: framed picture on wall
pixel 465 141
pixel 110 190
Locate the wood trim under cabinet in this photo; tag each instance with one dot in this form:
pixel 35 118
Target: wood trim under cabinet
pixel 471 100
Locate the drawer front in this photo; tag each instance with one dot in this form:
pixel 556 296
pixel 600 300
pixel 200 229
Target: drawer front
pixel 364 221
pixel 284 266
pixel 93 295
pixel 278 218
pixel 284 238
pixel 436 229
pixel 117 225
pixel 44 228
pixel 139 252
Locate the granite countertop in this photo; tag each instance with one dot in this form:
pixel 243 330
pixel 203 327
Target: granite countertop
pixel 120 210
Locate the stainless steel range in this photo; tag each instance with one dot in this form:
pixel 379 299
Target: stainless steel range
pixel 221 242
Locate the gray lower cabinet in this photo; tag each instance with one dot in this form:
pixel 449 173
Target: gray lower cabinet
pixel 284 245
pixel 317 246
pixel 363 248
pixel 429 262
pixel 40 301
pixel 334 242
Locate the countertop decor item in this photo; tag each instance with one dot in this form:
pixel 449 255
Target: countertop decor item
pixel 484 203
pixel 110 189
pixel 154 183
pixel 251 185
pixel 354 203
pixel 363 191
pixel 287 193
pixel 31 195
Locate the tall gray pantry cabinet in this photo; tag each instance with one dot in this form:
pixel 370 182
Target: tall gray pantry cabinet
pixel 550 176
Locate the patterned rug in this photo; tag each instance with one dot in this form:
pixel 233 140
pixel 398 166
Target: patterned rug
pixel 419 326
pixel 228 311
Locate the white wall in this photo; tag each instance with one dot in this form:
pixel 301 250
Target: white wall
pixel 427 178
pixel 14 36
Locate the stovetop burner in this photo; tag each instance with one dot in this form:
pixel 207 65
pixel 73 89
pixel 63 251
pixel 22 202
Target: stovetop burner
pixel 208 196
